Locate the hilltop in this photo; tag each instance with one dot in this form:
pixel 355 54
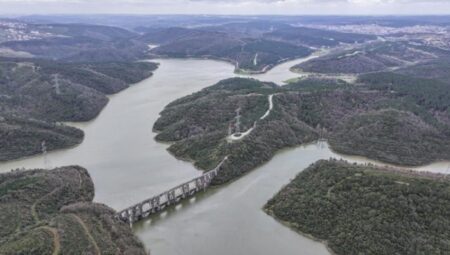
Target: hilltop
pixel 253 47
pixel 51 212
pixel 357 120
pixel 39 94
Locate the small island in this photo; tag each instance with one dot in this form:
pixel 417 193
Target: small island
pixel 357 209
pixel 51 212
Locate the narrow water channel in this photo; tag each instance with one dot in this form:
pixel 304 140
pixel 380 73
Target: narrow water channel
pixel 128 166
pixel 230 219
pixel 125 162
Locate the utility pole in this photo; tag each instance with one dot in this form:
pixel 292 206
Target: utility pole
pixel 238 121
pixel 44 154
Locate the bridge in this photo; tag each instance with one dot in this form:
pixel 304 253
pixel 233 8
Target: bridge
pixel 168 198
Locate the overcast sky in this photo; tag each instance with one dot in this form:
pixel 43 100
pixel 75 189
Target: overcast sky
pixel 290 7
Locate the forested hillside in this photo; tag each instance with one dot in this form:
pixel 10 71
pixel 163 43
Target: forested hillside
pixel 316 37
pixel 80 42
pixel 367 210
pixel 51 212
pixel 375 123
pixel 37 93
pixel 373 57
pixel 251 46
pixel 248 54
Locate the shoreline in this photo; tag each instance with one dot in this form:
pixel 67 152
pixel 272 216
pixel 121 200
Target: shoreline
pixel 292 227
pixel 436 177
pixel 78 124
pixel 237 70
pixel 384 166
pixel 390 164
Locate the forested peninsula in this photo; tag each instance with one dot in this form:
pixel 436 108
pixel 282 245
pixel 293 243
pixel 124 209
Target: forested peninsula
pixel 63 77
pixel 36 96
pixel 392 124
pixel 356 209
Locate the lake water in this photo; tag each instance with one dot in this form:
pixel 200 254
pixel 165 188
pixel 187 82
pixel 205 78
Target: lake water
pixel 128 166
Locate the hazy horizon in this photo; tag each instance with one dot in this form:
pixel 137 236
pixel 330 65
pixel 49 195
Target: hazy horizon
pixel 227 7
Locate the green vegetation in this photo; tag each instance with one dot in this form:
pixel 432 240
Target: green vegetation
pixel 373 57
pixel 251 46
pixel 257 55
pixel 81 43
pixel 252 55
pixel 316 84
pixel 51 212
pixel 316 37
pixel 59 91
pixel 367 210
pixel 429 93
pixel 199 123
pixel 35 94
pixel 391 136
pixel 358 120
pixel 436 69
pixel 107 78
pixel 24 137
pixel 67 74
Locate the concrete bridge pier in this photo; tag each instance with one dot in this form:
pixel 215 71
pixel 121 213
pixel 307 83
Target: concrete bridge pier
pixel 155 204
pixel 137 213
pixel 185 189
pixel 171 197
pixel 199 185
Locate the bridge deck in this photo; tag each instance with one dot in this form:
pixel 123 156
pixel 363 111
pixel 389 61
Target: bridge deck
pixel 170 197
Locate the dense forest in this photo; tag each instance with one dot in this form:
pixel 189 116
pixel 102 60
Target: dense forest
pixel 397 111
pixel 316 37
pixel 81 42
pixel 354 119
pixel 357 120
pixel 251 46
pixel 429 93
pixel 367 210
pixel 51 212
pixel 372 57
pixel 248 54
pixel 391 136
pixel 37 93
pixel 22 137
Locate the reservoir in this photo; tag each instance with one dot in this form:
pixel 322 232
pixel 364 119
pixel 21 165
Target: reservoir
pixel 128 166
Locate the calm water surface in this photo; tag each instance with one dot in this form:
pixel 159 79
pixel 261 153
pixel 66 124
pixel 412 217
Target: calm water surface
pixel 128 166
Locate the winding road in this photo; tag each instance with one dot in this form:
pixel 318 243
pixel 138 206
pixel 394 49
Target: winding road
pixel 88 234
pixel 56 239
pixel 239 136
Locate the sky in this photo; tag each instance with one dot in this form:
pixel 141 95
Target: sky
pixel 237 7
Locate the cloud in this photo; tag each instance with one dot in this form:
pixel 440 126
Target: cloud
pixel 291 7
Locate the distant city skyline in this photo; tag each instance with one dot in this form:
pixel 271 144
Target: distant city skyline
pixel 227 7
